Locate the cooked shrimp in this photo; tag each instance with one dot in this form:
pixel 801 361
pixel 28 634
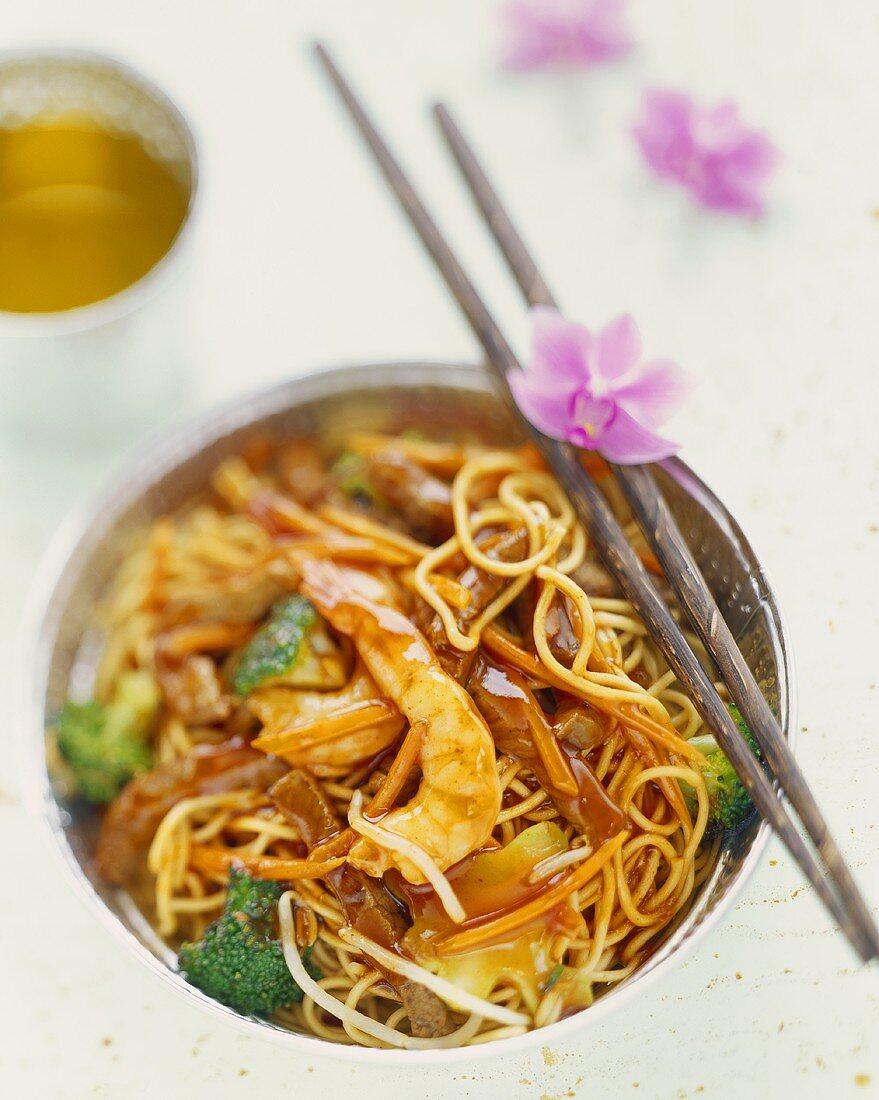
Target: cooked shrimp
pixel 332 728
pixel 454 810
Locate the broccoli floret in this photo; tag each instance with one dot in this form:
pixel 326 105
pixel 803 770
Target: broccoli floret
pixel 238 961
pixel 730 804
pixel 292 647
pixel 352 477
pixel 274 650
pixel 106 745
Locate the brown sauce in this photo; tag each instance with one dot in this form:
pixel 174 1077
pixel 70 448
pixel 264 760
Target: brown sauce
pixel 508 706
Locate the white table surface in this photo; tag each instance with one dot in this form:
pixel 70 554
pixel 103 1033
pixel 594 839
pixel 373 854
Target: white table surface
pixel 302 259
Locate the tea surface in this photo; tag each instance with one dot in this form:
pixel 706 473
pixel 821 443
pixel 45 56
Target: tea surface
pixel 84 213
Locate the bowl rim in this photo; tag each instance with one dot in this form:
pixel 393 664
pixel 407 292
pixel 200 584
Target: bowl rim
pixel 169 446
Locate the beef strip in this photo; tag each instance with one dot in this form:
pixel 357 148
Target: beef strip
pixel 503 545
pixel 427 1014
pixel 510 709
pixel 134 815
pixel 595 580
pixel 424 501
pixel 303 472
pixel 560 634
pixel 302 802
pixel 367 906
pixel 193 691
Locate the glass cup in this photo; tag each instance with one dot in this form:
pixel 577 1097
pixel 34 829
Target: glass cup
pixel 92 376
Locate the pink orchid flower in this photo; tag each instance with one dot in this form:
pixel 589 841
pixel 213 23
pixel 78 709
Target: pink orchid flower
pixel 595 392
pixel 541 33
pixel 707 150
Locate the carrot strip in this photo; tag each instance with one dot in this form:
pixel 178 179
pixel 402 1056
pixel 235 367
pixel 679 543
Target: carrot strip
pixel 498 643
pixel 439 458
pixel 557 765
pixel 653 755
pixel 650 561
pixel 398 773
pixel 341 547
pixel 329 727
pixel 594 464
pixel 530 455
pixel 654 732
pixel 268 867
pixel 382 800
pixel 199 637
pixel 362 525
pixel 480 933
pixel 273 509
pixel 338 845
pixel 281 514
pixel 501 645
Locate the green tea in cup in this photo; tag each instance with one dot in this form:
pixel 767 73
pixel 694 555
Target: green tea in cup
pixel 84 212
pixel 98 184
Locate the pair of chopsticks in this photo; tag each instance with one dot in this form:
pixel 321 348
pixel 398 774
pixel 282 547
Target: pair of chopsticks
pixel 836 887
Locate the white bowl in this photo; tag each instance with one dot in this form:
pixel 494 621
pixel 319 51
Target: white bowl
pixel 452 401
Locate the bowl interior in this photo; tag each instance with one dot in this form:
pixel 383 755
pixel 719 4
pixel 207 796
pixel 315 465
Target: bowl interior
pixel 447 402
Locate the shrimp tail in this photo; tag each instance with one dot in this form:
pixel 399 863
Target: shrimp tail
pixel 325 585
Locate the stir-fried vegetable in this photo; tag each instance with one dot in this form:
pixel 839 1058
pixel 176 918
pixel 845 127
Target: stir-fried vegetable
pixel 351 473
pixel 573 987
pixel 105 746
pixel 497 879
pixel 293 647
pixel 239 960
pixel 730 803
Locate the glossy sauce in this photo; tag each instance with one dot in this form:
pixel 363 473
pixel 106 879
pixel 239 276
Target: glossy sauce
pixel 367 905
pixel 488 883
pixel 509 707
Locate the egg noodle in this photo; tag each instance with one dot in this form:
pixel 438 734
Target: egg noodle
pixel 582 908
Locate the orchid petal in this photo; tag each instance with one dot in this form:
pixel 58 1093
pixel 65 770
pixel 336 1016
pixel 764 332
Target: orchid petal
pixel 528 40
pixel 733 183
pixel 560 349
pixel 563 32
pixel 613 410
pixel 663 133
pixel 709 151
pixel 717 193
pixel 618 347
pixel 718 129
pixel 627 442
pixel 655 392
pixel 548 410
pixel 755 157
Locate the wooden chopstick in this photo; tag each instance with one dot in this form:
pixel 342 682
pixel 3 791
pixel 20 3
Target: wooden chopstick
pixel 595 513
pixel 670 547
pixel 679 566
